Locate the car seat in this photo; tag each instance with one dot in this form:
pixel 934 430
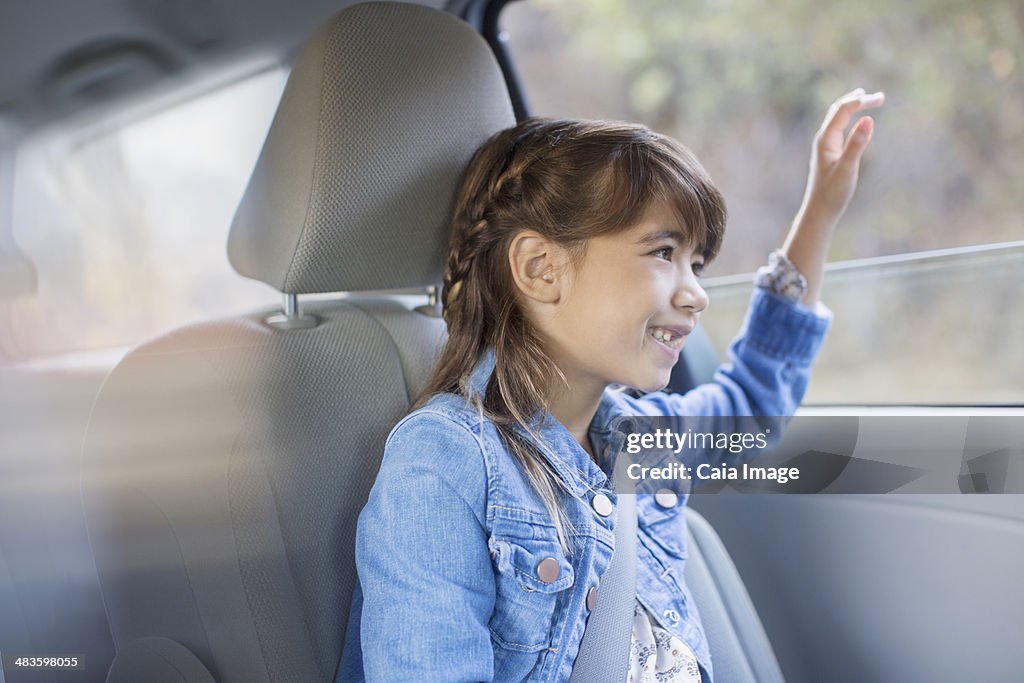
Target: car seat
pixel 226 462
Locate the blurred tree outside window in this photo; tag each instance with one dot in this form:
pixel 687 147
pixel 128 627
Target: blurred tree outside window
pixel 745 84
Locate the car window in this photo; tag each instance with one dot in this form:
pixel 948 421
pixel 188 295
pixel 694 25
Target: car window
pixel 127 229
pixel 745 88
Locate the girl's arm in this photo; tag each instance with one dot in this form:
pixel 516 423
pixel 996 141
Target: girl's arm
pixel 834 167
pixel 424 566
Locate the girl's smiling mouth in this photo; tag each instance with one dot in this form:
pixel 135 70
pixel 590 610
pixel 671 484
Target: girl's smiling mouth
pixel 670 338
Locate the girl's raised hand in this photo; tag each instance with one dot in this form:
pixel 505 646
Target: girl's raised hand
pixel 835 161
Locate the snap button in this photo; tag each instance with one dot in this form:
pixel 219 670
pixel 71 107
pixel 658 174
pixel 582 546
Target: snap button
pixel 548 570
pixel 592 598
pixel 666 498
pixel 671 616
pixel 602 504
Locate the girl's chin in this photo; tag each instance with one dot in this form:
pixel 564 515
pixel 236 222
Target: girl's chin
pixel 647 382
pixel 655 385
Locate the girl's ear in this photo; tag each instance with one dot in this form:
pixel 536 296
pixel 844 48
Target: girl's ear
pixel 535 264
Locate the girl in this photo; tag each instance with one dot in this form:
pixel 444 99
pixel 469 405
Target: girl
pixel 572 267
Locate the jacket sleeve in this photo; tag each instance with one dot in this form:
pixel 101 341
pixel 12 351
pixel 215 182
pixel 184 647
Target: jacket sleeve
pixel 422 557
pixel 766 373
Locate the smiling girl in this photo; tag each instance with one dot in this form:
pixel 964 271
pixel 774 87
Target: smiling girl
pixel 573 268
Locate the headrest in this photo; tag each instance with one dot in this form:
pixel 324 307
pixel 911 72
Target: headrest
pixel 354 188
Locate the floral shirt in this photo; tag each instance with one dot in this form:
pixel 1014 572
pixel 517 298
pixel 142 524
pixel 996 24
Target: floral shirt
pixel 657 656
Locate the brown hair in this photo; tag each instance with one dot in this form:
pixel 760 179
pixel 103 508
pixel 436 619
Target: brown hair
pixel 568 180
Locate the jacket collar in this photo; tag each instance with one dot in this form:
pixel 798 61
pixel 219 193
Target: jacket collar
pixel 557 443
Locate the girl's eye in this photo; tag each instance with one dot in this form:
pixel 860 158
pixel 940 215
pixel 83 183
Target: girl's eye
pixel 664 250
pixel 698 268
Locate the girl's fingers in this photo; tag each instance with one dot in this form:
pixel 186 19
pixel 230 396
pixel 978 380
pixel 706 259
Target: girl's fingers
pixel 858 141
pixel 842 110
pixel 861 133
pixel 854 93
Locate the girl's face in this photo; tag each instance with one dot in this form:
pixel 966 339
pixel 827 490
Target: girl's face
pixel 629 309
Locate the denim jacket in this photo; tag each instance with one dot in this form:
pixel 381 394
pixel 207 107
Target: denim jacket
pixel 461 576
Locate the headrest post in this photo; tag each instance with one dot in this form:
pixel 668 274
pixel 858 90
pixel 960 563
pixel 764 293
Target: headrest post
pixel 431 308
pixel 292 317
pixel 291 305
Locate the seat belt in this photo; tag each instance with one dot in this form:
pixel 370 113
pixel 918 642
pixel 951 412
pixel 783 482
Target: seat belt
pixel 604 651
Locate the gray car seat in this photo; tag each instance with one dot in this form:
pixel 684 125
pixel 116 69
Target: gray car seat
pixel 226 462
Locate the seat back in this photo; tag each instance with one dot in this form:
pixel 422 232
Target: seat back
pixel 226 462
pixel 740 650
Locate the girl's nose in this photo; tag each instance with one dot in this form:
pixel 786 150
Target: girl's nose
pixel 690 294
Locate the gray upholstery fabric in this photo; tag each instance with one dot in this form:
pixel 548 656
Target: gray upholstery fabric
pixel 224 471
pixel 354 186
pixel 49 592
pixel 416 353
pixel 158 660
pixel 740 649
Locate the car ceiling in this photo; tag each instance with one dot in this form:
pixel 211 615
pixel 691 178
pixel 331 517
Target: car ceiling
pixel 65 58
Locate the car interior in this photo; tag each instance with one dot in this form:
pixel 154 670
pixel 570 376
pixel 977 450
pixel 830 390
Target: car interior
pixel 186 510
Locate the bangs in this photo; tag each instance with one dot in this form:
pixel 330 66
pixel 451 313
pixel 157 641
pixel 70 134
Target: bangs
pixel 657 170
pixel 698 206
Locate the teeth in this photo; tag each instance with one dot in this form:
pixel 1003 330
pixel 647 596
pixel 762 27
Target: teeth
pixel 662 334
pixel 666 337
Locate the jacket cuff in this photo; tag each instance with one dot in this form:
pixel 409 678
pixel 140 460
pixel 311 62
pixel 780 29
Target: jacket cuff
pixel 785 330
